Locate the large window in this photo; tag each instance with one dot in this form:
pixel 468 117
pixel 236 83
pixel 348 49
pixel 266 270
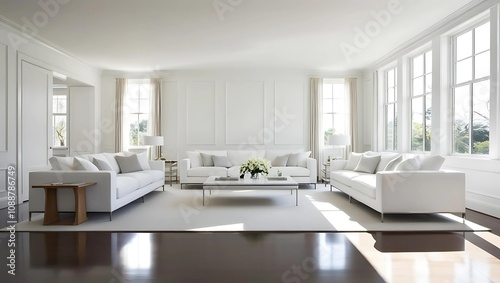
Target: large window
pixel 471 90
pixel 421 101
pixel 60 120
pixel 335 109
pixel 137 115
pixel 390 109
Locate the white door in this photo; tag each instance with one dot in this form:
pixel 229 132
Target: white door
pixel 36 123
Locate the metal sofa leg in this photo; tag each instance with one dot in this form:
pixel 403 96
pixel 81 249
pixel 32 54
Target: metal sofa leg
pixel 381 217
pixel 142 199
pixel 350 199
pixel 110 216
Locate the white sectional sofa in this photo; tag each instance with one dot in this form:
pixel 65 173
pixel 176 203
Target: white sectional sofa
pixel 400 183
pixel 199 166
pixel 118 183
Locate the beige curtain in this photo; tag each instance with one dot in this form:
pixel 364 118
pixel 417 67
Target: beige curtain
pixel 351 90
pixel 156 103
pixel 121 88
pixel 316 134
pixel 156 93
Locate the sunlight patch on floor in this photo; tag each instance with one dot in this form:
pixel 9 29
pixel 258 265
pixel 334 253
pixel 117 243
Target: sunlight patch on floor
pixel 334 215
pixel 229 227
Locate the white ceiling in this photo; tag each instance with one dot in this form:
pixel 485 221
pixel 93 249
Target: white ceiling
pixel 131 35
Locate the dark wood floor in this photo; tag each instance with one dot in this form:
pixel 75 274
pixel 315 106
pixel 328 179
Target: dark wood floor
pixel 254 257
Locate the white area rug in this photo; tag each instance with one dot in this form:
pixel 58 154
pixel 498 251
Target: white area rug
pixel 319 211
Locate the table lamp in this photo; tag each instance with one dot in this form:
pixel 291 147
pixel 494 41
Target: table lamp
pixel 156 142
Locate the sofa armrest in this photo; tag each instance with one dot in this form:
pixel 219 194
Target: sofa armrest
pixel 184 166
pixel 157 165
pixel 311 164
pixel 421 191
pixel 337 164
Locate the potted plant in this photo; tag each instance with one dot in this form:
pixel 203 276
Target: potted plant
pixel 255 166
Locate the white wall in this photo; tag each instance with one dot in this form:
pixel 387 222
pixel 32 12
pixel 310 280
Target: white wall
pixel 228 109
pixel 14 47
pixel 482 173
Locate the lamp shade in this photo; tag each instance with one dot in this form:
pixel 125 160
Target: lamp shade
pixel 339 140
pixel 153 140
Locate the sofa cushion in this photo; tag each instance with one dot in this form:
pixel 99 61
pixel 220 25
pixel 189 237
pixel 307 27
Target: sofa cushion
pixel 206 159
pixel 366 184
pixel 156 175
pixel 345 176
pixel 143 160
pixel 292 171
pixel 353 161
pixel 221 161
pixel 83 164
pixel 61 163
pixel 128 163
pixel 144 179
pixel 293 159
pixel 385 159
pixel 393 163
pixel 271 154
pixel 125 185
pixel 303 158
pixel 432 163
pixel 195 159
pixel 280 161
pixel 410 164
pixel 110 157
pixel 367 164
pixel 207 171
pixel 102 165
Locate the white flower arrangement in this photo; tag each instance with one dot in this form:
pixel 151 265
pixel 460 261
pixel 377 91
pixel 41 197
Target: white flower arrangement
pixel 255 165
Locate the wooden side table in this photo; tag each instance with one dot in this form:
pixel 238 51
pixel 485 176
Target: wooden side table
pixel 51 214
pixel 171 171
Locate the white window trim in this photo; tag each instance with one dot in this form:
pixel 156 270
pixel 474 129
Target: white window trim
pixel 471 25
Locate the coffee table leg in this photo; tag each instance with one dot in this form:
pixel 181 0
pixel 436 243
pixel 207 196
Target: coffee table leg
pixel 51 213
pixel 297 196
pixel 80 205
pixel 203 195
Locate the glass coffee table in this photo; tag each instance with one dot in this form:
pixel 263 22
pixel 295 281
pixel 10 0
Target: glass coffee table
pixel 265 183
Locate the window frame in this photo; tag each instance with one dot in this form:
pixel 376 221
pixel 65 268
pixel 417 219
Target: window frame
pixel 127 132
pixel 426 94
pixel 385 103
pixel 470 83
pixel 60 114
pixel 345 113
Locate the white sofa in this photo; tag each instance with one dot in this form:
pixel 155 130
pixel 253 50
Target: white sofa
pixel 193 171
pixel 113 190
pixel 401 184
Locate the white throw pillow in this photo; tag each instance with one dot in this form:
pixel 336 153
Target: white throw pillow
pixel 432 163
pixel 280 161
pixel 195 159
pixel 293 159
pixel 221 161
pixel 102 164
pixel 143 160
pixel 128 163
pixel 393 163
pixel 61 163
pixel 83 164
pixel 367 164
pixel 353 161
pixel 303 158
pixel 385 158
pixel 410 164
pixel 112 161
pixel 207 159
